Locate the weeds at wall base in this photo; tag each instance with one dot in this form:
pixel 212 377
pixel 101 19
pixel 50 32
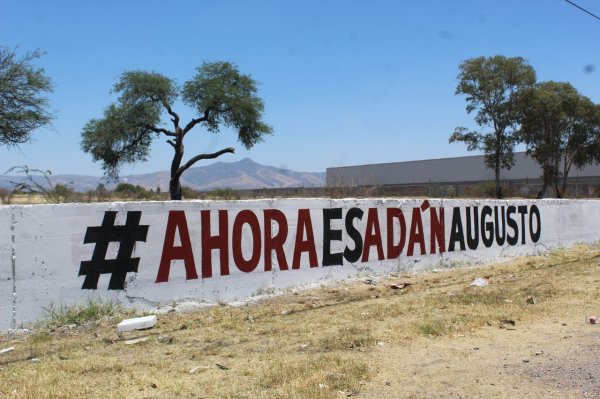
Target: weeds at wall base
pixel 88 314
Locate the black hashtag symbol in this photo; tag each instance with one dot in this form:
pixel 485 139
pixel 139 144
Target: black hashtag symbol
pixel 126 235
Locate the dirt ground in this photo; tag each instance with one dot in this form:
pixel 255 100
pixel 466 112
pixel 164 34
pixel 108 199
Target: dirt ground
pixel 552 358
pixel 431 335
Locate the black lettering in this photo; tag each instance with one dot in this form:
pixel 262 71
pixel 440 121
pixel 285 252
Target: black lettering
pixel 473 240
pixel 329 234
pixel 535 236
pixel 456 232
pixel 354 254
pixel 512 240
pixel 522 211
pixel 500 233
pixel 487 227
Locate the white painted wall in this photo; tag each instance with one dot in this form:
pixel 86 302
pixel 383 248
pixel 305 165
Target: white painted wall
pixel 6 273
pixel 49 248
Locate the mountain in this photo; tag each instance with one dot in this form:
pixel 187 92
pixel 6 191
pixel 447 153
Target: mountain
pixel 244 174
pixel 76 182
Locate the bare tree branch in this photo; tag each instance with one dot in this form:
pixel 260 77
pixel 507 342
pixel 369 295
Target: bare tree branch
pixel 200 157
pixel 136 140
pixel 172 143
pixel 194 122
pixel 160 130
pixel 175 117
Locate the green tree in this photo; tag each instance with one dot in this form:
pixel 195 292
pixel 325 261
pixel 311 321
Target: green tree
pixel 23 105
pixel 128 190
pixel 559 127
pixel 493 87
pixel 220 95
pixel 595 148
pixel 101 193
pixel 62 192
pixel 101 190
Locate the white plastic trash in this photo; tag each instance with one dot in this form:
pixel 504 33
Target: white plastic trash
pixel 138 323
pixel 480 282
pixel 7 350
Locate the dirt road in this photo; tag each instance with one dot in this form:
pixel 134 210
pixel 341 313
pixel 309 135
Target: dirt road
pixel 552 358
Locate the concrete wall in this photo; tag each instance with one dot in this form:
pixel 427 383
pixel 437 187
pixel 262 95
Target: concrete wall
pixel 445 170
pixel 230 250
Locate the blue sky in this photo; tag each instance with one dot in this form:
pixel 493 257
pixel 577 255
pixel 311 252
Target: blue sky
pixel 344 82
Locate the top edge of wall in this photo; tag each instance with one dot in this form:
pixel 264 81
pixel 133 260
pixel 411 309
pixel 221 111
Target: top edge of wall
pixel 292 200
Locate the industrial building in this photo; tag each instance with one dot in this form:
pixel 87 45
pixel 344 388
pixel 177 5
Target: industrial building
pixel 459 172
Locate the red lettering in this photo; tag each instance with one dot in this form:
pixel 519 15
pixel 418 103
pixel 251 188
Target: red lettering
pixel 394 251
pixel 249 218
pixel 275 243
pixel 372 236
pixel 301 245
pixel 210 242
pixel 416 233
pixel 171 252
pixel 437 230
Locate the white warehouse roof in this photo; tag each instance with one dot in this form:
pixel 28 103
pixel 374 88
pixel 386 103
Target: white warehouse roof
pixel 443 170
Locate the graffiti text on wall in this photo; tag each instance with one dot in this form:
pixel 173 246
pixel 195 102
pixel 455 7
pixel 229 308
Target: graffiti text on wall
pixel 260 240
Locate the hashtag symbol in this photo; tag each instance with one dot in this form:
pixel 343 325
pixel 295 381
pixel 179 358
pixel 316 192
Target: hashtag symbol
pixel 126 235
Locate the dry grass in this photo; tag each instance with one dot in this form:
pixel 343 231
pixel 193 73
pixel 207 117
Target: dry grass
pixel 321 343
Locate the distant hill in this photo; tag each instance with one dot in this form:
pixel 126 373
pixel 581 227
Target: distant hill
pixel 242 174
